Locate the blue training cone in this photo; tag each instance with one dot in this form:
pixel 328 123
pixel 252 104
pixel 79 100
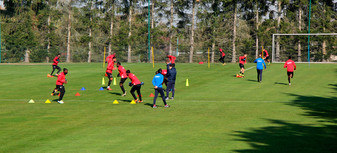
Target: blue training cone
pixel 101 88
pixel 83 89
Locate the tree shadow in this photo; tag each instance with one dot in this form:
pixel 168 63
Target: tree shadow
pixel 280 83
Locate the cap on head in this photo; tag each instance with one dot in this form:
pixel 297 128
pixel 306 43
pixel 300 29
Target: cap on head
pixel 128 71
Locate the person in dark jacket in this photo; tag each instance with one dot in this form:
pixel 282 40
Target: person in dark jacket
pixel 171 80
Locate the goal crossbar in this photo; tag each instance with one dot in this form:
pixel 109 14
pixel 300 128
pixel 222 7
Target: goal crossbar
pixel 296 34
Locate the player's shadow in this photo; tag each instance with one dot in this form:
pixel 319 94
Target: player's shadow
pixel 148 104
pixel 251 80
pixel 280 83
pixel 115 93
pixel 55 100
pixel 123 100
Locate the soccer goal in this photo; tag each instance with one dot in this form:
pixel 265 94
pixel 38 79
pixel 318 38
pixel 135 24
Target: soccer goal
pixel 305 47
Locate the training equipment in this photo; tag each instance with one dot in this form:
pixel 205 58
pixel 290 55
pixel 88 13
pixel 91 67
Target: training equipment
pixel 115 102
pixel 132 102
pixel 77 94
pixel 187 84
pixel 103 82
pixel 59 94
pixel 83 89
pixel 47 101
pixel 115 83
pixel 151 95
pixel 31 101
pixel 100 89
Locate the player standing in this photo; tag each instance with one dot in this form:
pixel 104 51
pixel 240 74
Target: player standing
pixel 157 82
pixel 242 62
pixel 136 85
pixel 171 79
pixel 291 66
pixel 164 72
pixel 222 56
pixel 259 67
pixel 266 56
pixel 54 65
pixel 61 79
pixel 108 71
pixel 122 74
pixel 171 58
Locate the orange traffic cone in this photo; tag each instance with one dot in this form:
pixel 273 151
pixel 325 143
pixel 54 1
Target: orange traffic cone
pixel 151 95
pixel 77 94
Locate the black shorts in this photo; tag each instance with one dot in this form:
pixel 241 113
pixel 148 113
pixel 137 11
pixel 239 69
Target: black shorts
pixel 60 88
pixel 123 80
pixel 288 73
pixel 56 67
pixel 241 66
pixel 267 57
pixel 109 75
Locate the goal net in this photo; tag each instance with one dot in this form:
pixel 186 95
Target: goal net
pixel 322 47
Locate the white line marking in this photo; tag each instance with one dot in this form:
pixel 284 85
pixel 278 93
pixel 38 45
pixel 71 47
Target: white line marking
pixel 249 68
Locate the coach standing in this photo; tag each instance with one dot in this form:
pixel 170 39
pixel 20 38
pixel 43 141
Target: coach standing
pixel 171 79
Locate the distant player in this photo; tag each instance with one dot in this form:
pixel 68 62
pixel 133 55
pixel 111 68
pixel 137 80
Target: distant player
pixel 54 65
pixel 242 62
pixel 222 56
pixel 157 82
pixel 291 66
pixel 110 57
pixel 136 85
pixel 108 71
pixel 122 74
pixel 171 80
pixel 259 67
pixel 61 79
pixel 266 56
pixel 171 58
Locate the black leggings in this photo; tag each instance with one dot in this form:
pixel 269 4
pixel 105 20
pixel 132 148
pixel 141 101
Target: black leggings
pixel 61 89
pixel 133 89
pixel 259 75
pixel 161 91
pixel 222 59
pixel 55 67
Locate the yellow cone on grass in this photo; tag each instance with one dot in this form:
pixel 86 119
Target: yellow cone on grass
pixel 115 102
pixel 115 83
pixel 31 101
pixel 47 101
pixel 103 82
pixel 132 102
pixel 187 84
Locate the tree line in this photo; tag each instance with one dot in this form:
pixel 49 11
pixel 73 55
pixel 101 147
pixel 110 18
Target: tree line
pixel 37 30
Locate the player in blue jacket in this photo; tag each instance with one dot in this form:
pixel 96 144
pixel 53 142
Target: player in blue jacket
pixel 157 82
pixel 259 67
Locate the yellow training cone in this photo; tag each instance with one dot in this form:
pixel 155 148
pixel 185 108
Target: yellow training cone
pixel 115 83
pixel 47 101
pixel 187 84
pixel 132 102
pixel 31 101
pixel 115 102
pixel 103 82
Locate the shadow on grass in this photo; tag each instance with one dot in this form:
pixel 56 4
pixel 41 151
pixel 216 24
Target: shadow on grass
pixel 289 137
pixel 123 100
pixel 281 83
pixel 148 104
pixel 115 93
pixel 251 80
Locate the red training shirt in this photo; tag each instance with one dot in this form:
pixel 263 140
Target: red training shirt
pixel 164 72
pixel 122 72
pixel 243 60
pixel 265 53
pixel 222 53
pixel 134 79
pixel 110 57
pixel 61 78
pixel 172 58
pixel 290 65
pixel 56 60
pixel 110 67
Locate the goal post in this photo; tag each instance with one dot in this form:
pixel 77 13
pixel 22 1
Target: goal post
pixel 305 48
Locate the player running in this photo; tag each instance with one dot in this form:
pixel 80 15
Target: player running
pixel 259 67
pixel 122 74
pixel 171 58
pixel 242 62
pixel 54 65
pixel 108 71
pixel 61 79
pixel 222 56
pixel 157 82
pixel 266 56
pixel 136 85
pixel 291 66
pixel 171 80
pixel 110 57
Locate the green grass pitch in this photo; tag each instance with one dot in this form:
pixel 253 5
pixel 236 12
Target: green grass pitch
pixel 216 113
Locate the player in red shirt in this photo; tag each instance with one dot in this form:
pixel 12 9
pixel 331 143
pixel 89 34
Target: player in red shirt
pixel 122 74
pixel 291 66
pixel 110 57
pixel 61 79
pixel 242 62
pixel 266 56
pixel 222 56
pixel 171 58
pixel 54 65
pixel 136 85
pixel 108 71
pixel 164 72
